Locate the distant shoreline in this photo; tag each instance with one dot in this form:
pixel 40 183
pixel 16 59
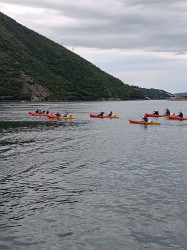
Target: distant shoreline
pixel 178 98
pixel 99 100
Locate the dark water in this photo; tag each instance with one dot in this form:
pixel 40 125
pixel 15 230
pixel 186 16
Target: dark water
pixel 92 184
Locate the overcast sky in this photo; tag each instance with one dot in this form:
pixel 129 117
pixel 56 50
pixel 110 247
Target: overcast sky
pixel 141 42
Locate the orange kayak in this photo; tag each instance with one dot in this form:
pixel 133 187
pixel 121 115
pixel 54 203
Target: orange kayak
pixel 152 115
pixel 142 122
pixel 103 116
pixel 36 114
pixel 177 118
pixel 60 117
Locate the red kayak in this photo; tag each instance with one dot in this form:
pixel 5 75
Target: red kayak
pixel 152 115
pixel 177 118
pixel 142 122
pixel 36 114
pixel 60 117
pixel 103 116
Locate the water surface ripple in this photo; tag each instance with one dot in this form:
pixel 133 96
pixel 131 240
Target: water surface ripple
pixel 92 184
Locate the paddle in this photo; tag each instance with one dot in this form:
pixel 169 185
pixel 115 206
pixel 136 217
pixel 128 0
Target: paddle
pixel 140 115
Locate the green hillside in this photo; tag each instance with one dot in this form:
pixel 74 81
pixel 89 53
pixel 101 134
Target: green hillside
pixel 34 67
pixel 152 93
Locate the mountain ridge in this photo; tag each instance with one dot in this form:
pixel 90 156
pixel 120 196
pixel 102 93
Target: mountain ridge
pixel 181 94
pixel 34 67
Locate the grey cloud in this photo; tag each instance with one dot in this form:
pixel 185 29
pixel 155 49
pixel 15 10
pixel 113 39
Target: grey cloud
pixel 155 25
pixel 145 25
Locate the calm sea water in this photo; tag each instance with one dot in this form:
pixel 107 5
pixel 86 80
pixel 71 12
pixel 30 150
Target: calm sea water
pixel 92 184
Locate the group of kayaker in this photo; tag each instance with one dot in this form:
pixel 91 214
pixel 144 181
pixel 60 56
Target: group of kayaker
pixel 167 113
pixel 145 118
pixel 38 111
pixel 65 114
pixel 102 113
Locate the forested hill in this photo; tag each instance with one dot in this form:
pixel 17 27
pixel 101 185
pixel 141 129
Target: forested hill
pixel 33 67
pixel 152 93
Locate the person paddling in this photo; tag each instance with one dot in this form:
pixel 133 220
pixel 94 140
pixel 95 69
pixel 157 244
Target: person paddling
pixel 58 114
pixel 101 114
pixel 110 114
pixel 145 118
pixel 180 114
pixel 167 112
pixel 155 112
pixel 66 114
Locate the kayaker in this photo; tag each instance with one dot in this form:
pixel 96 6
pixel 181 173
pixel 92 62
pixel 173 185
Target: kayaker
pixel 145 118
pixel 66 114
pixel 110 114
pixel 180 114
pixel 37 111
pixel 167 112
pixel 47 112
pixel 155 112
pixel 101 114
pixel 58 114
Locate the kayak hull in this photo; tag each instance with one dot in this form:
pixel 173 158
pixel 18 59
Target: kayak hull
pixel 152 115
pixel 142 122
pixel 177 118
pixel 50 116
pixel 36 114
pixel 104 116
pixel 60 117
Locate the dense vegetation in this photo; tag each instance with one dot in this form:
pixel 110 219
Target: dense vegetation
pixel 33 66
pixel 153 93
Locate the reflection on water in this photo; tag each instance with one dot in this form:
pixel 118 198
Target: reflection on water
pixel 92 183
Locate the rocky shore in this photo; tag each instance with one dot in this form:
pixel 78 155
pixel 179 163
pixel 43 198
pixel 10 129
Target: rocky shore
pixel 178 98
